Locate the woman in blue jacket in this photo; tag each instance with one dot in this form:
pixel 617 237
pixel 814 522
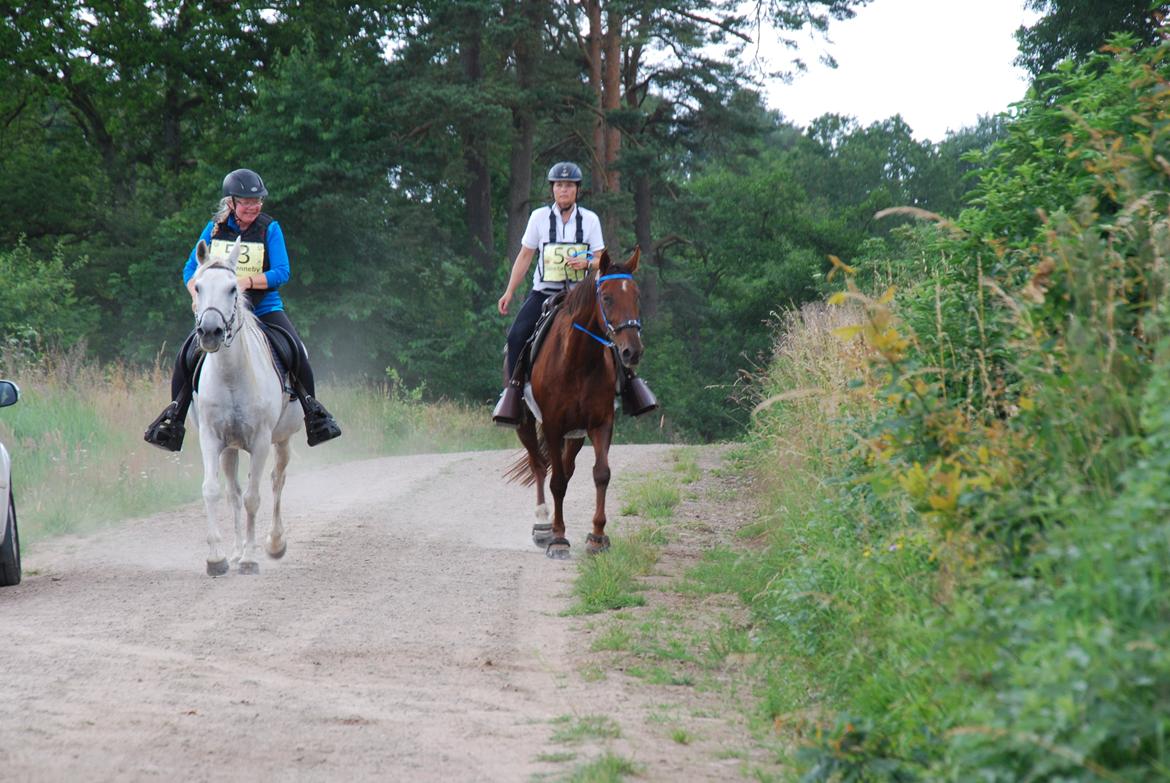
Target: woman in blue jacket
pixel 261 270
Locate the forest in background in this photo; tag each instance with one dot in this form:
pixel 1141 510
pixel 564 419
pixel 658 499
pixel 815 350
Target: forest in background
pixel 404 145
pixel 959 567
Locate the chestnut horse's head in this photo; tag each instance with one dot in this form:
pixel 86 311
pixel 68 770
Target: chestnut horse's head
pixel 618 305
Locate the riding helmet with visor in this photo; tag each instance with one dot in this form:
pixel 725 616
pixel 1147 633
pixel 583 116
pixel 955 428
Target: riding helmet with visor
pixel 244 183
pixel 565 171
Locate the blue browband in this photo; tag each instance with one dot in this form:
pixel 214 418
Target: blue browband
pixel 609 328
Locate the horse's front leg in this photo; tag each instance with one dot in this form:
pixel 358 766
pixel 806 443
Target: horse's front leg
pixel 598 541
pixel 217 563
pixel 558 547
pixel 260 448
pixel 276 544
pixel 229 461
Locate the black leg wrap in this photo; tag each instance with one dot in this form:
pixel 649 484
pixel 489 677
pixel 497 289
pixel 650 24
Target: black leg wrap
pixel 319 423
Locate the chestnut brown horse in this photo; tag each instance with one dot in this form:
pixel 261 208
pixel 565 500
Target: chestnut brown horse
pixel 574 382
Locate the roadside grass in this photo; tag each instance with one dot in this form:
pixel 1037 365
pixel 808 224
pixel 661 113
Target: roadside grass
pixel 609 768
pixel 572 729
pixel 79 461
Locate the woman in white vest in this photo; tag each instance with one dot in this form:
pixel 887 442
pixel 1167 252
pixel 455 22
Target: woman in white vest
pixel 565 239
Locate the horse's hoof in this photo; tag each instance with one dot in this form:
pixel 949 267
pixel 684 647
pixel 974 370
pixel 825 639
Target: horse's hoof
pixel 557 549
pixel 217 567
pixel 542 534
pixel 278 553
pixel 249 568
pixel 595 545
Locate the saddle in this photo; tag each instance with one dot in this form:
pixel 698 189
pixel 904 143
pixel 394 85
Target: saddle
pixel 532 347
pixel 286 358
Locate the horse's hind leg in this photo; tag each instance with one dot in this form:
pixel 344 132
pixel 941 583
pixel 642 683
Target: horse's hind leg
pixel 229 462
pixel 542 529
pixel 276 543
pixel 598 541
pixel 558 547
pixel 248 563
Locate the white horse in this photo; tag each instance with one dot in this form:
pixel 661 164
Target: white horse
pixel 240 405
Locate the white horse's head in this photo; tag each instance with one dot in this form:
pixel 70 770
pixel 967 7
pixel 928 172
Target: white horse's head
pixel 217 310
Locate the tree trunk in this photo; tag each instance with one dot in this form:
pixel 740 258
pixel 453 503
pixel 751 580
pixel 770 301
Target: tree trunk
pixel 478 195
pixel 648 277
pixel 523 126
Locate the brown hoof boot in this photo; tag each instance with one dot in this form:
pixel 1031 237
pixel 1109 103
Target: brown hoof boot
pixel 507 411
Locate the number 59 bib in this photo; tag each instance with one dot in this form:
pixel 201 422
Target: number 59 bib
pixel 556 258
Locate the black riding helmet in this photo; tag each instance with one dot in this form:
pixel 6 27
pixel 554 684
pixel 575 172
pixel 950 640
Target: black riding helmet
pixel 565 171
pixel 244 183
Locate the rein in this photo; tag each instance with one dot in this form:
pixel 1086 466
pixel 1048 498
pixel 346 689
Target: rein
pixel 610 330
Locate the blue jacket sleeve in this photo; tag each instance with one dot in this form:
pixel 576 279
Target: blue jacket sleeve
pixel 278 269
pixel 192 262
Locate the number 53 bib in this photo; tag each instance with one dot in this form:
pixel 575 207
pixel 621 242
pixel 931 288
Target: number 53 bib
pixel 251 260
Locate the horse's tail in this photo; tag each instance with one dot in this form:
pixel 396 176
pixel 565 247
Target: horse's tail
pixel 521 470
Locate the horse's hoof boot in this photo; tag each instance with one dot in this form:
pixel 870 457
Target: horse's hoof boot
pixel 249 567
pixel 558 549
pixel 217 567
pixel 596 544
pixel 542 534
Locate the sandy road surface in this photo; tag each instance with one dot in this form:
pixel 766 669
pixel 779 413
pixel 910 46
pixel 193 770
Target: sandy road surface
pixel 411 633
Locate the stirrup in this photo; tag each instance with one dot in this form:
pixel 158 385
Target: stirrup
pixel 507 411
pixel 167 430
pixel 320 425
pixel 637 398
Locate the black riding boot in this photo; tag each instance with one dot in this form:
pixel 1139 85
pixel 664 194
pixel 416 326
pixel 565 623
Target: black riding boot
pixel 167 430
pixel 637 398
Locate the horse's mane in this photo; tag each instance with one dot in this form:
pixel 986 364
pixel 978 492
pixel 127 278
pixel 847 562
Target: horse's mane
pixel 581 296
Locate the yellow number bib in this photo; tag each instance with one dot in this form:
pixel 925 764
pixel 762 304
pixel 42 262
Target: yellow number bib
pixel 251 260
pixel 556 256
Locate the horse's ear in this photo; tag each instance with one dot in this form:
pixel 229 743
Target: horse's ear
pixel 604 263
pixel 234 256
pixel 202 254
pixel 632 261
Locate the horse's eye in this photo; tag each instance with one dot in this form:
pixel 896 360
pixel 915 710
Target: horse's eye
pixel 607 300
pixel 233 292
pixel 197 287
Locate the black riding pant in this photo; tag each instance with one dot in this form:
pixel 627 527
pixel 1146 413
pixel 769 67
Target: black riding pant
pixel 524 326
pixel 181 380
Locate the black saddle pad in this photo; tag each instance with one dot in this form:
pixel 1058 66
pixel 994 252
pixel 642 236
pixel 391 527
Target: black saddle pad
pixel 285 353
pixel 551 305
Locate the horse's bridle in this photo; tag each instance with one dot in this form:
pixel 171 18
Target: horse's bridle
pixel 611 331
pixel 228 323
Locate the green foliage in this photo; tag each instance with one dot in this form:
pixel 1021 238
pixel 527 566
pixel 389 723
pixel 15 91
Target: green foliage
pixel 40 305
pixel 1072 30
pixel 978 591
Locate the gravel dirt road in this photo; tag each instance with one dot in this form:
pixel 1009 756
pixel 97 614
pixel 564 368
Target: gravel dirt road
pixel 412 632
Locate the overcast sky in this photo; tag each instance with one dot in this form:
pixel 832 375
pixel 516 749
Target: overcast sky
pixel 938 63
